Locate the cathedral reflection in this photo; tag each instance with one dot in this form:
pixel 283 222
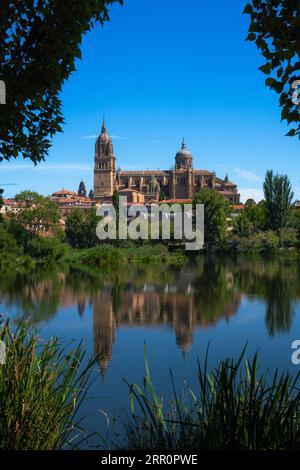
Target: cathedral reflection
pixel 175 306
pixel 197 295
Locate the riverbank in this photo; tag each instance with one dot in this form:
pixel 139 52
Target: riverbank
pixel 112 257
pixel 24 252
pixel 105 256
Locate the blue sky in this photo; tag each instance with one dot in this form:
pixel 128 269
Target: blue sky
pixel 161 70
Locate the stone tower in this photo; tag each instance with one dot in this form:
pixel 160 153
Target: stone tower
pixel 82 189
pixel 104 169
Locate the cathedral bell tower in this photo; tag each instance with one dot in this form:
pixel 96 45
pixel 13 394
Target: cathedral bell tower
pixel 104 169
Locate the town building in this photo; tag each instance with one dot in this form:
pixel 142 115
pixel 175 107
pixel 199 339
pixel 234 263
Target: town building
pixel 68 200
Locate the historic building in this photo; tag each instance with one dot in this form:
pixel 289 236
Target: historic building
pixel 178 183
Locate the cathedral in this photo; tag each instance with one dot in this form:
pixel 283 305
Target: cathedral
pixel 177 184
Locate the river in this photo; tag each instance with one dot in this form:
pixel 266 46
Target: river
pixel 174 311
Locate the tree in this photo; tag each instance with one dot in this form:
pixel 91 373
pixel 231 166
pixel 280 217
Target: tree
pixel 252 219
pixel 278 195
pixel 29 198
pixel 39 213
pixel 91 194
pixel 216 209
pixel 116 204
pixel 40 41
pixel 1 197
pixel 275 29
pixel 8 244
pixel 81 228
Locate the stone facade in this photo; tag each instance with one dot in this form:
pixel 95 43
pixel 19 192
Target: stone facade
pixel 182 182
pixel 104 169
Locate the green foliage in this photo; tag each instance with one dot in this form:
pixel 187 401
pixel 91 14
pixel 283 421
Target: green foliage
pixel 275 29
pixel 216 209
pixel 29 197
pixel 18 232
pixel 99 256
pixel 288 238
pixel 8 244
pixel 116 204
pixel 18 264
pixel 81 228
pixel 236 408
pixel 265 242
pixel 40 213
pixel 42 386
pixel 278 196
pixel 46 249
pixel 294 220
pixel 21 251
pixel 252 219
pixel 112 257
pixel 1 198
pixel 40 42
pixel 152 254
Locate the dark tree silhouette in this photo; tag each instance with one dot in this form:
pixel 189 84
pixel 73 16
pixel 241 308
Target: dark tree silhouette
pixel 40 41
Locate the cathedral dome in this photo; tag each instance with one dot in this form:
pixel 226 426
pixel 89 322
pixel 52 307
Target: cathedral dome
pixel 183 157
pixel 184 152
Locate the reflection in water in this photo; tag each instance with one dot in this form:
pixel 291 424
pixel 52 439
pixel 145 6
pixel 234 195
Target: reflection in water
pixel 196 295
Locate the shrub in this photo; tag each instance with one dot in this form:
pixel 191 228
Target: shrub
pixel 8 244
pixel 288 238
pixel 41 249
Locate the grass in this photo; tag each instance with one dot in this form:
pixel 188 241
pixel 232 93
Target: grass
pixel 236 408
pixel 41 388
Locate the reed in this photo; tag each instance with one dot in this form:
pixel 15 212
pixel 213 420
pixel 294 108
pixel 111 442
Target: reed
pixel 236 407
pixel 42 386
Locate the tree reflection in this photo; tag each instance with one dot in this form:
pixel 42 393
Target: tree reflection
pixel 198 294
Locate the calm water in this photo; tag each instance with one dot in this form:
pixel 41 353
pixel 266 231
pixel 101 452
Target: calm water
pixel 176 312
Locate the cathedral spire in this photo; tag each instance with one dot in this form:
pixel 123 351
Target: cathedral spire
pixel 103 125
pixel 104 137
pixel 183 145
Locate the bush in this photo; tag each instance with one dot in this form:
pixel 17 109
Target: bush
pixel 10 263
pixel 104 255
pixel 270 241
pixel 265 242
pixel 288 238
pixel 41 249
pixel 8 244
